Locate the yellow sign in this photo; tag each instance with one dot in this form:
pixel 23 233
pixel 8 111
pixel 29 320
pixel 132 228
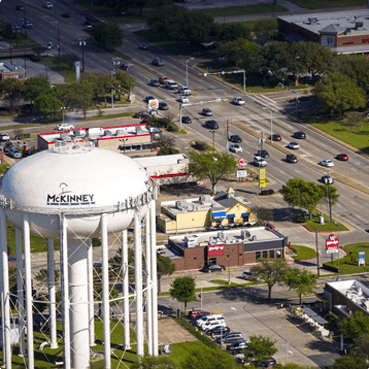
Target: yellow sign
pixel 262 174
pixel 262 184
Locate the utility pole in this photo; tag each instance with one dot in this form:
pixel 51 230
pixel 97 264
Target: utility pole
pixel 317 253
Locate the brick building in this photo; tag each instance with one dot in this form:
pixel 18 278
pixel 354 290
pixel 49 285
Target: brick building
pixel 235 247
pixel 9 71
pixel 344 32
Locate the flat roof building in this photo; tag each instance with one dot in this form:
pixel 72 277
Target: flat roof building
pixel 9 71
pixel 344 32
pixel 127 138
pixel 234 247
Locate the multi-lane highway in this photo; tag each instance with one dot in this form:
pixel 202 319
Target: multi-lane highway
pixel 49 25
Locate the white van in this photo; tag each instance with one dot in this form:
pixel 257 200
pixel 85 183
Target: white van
pixel 210 318
pixel 214 323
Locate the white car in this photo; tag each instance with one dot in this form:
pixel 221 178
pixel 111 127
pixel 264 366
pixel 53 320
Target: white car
pixel 259 161
pixel 64 127
pixel 238 101
pixel 235 148
pixel 48 5
pixel 50 45
pixel 327 163
pixel 4 137
pixel 293 145
pixel 184 91
pixel 183 100
pixel 327 179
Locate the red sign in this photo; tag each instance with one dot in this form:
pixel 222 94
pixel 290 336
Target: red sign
pixel 241 164
pixel 331 244
pixel 214 250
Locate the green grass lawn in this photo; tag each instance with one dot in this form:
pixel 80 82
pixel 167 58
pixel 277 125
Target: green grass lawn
pixel 319 4
pixel 303 253
pixel 349 263
pixel 314 226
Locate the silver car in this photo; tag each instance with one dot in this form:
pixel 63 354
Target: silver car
pixel 15 153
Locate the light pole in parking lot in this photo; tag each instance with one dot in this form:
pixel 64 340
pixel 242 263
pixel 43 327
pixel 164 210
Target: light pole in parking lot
pixel 82 42
pixel 63 108
pixel 271 123
pixel 187 70
pixel 112 90
pixel 229 265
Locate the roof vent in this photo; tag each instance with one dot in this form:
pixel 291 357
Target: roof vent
pixel 313 20
pixel 221 236
pixel 245 234
pixel 359 25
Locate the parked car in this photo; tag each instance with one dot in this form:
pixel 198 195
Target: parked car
pixel 205 318
pixel 171 85
pixel 263 153
pixel 235 148
pixel 183 99
pixel 15 153
pixel 342 157
pixel 158 62
pixel 154 82
pixel 48 5
pixel 19 7
pixel 27 24
pixel 275 137
pixel 163 105
pixel 212 124
pixel 213 268
pixel 239 345
pixel 198 313
pixel 50 45
pixel 219 329
pixel 142 46
pixel 88 27
pixel 141 114
pixel 259 161
pixel 267 364
pixel 64 127
pixel 327 163
pixel 186 119
pixel 290 158
pixel 251 276
pixel 207 112
pixel 299 135
pixel 238 101
pixel 66 15
pixel 229 337
pixel 4 137
pixel 8 145
pixel 293 146
pixel 235 138
pixel 327 179
pixel 195 320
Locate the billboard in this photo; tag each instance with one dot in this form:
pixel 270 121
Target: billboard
pixel 214 250
pixel 331 244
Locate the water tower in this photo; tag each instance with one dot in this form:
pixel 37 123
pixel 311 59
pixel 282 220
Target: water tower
pixel 73 193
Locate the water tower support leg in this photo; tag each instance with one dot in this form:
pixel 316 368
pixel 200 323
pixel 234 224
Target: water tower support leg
pixel 125 277
pixel 105 278
pixel 20 294
pixel 5 308
pixel 90 276
pixel 52 292
pixel 138 286
pixel 28 278
pixel 154 280
pixel 148 283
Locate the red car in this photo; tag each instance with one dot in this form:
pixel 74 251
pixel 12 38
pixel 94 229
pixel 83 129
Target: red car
pixel 342 157
pixel 276 137
pixel 197 313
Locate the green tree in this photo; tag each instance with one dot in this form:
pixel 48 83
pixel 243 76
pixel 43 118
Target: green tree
pixel 48 105
pixel 302 281
pixel 260 348
pixel 11 90
pixel 360 348
pixel 107 35
pixel 152 362
pixel 233 31
pixel 208 358
pixel 123 81
pixel 271 270
pixel 35 86
pixel 346 362
pixel 265 29
pixel 214 166
pixel 183 290
pixel 339 93
pixel 354 326
pixel 165 266
pixel 305 195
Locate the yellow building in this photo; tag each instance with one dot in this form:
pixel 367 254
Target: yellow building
pixel 205 212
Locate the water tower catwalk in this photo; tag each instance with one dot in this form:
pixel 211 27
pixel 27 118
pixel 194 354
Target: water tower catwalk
pixel 75 193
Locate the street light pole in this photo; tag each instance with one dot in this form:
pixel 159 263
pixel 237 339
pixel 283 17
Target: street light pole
pixel 111 83
pixel 82 43
pixel 271 123
pixel 229 266
pixel 187 70
pixel 63 111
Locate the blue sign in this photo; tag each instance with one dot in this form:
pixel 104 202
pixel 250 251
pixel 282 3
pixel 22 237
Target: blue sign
pixel 361 258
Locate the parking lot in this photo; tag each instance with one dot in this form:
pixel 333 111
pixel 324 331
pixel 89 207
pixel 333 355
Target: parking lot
pixel 246 311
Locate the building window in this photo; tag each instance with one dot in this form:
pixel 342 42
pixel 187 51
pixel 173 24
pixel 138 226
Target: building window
pixel 271 254
pixel 265 254
pixel 212 261
pixel 257 255
pixel 230 220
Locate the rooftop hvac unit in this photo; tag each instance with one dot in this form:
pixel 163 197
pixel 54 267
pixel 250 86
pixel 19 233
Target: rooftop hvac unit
pixel 121 132
pixel 191 241
pixel 139 130
pixel 205 199
pixel 77 133
pixel 359 24
pixel 65 136
pixel 107 133
pixel 245 234
pixel 254 238
pixel 212 241
pixel 181 205
pixel 221 236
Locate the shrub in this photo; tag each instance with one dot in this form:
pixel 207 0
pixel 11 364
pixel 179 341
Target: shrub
pixel 267 192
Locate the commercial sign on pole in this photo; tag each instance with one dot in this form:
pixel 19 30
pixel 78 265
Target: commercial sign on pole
pixel 242 173
pixel 78 71
pixel 262 178
pixel 331 244
pixel 214 250
pixel 241 164
pixel 361 258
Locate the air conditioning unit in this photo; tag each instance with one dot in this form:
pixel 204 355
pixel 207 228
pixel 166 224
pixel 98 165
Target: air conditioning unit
pixel 245 234
pixel 221 236
pixel 254 238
